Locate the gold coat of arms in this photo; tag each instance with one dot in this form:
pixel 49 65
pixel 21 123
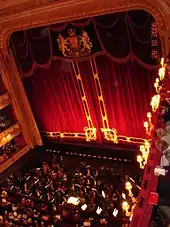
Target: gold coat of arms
pixel 75 45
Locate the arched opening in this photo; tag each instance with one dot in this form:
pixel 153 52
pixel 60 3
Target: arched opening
pixel 89 77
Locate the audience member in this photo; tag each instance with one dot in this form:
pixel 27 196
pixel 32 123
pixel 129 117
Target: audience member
pixel 50 196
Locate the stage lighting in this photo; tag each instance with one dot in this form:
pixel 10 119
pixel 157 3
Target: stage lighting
pixel 115 212
pixel 125 205
pixel 73 200
pixel 128 186
pixel 99 210
pixel 84 207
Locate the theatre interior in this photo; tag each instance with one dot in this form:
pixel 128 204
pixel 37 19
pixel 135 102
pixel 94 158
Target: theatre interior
pixel 84 113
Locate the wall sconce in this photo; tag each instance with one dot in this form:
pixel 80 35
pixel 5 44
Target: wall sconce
pixel 142 159
pixel 148 124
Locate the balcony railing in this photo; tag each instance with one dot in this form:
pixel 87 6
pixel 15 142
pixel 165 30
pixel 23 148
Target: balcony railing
pixel 6 164
pixel 9 134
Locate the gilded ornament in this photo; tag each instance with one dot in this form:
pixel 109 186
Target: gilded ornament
pixel 75 45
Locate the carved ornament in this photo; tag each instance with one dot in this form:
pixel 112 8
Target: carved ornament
pixel 62 11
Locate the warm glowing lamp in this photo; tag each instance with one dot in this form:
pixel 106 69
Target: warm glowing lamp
pixel 155 102
pixel 128 186
pixel 142 148
pixel 149 116
pixel 156 84
pixel 147 145
pixel 125 207
pixel 140 159
pixel 146 126
pixel 162 62
pixel 161 73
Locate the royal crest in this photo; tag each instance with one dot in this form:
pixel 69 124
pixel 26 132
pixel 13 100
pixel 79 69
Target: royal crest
pixel 75 45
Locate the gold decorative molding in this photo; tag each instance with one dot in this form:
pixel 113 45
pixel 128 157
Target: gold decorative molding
pixel 82 93
pixel 62 11
pixel 6 164
pixel 90 134
pixel 64 135
pixel 9 7
pixel 4 100
pixel 9 134
pixel 110 134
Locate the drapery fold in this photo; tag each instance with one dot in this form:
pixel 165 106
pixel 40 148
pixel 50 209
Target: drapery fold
pixel 127 90
pixel 122 36
pixel 55 99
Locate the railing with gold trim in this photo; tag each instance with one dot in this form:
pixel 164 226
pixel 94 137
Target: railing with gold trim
pixel 83 136
pixel 132 140
pixel 9 134
pixel 4 100
pixel 6 164
pixel 64 135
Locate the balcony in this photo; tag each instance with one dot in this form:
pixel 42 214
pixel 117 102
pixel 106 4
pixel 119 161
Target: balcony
pixel 9 134
pixel 6 164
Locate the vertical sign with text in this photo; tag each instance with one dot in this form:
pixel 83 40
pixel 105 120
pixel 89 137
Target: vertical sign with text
pixel 154 41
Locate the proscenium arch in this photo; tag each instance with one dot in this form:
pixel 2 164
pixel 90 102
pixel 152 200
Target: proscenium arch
pixel 73 10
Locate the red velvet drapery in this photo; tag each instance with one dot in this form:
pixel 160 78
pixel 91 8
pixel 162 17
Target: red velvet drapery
pixel 110 87
pixel 56 100
pixel 127 89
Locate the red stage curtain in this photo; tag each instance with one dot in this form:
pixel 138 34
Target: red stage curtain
pixel 88 82
pixel 121 46
pixel 127 90
pixel 55 99
pixel 57 105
